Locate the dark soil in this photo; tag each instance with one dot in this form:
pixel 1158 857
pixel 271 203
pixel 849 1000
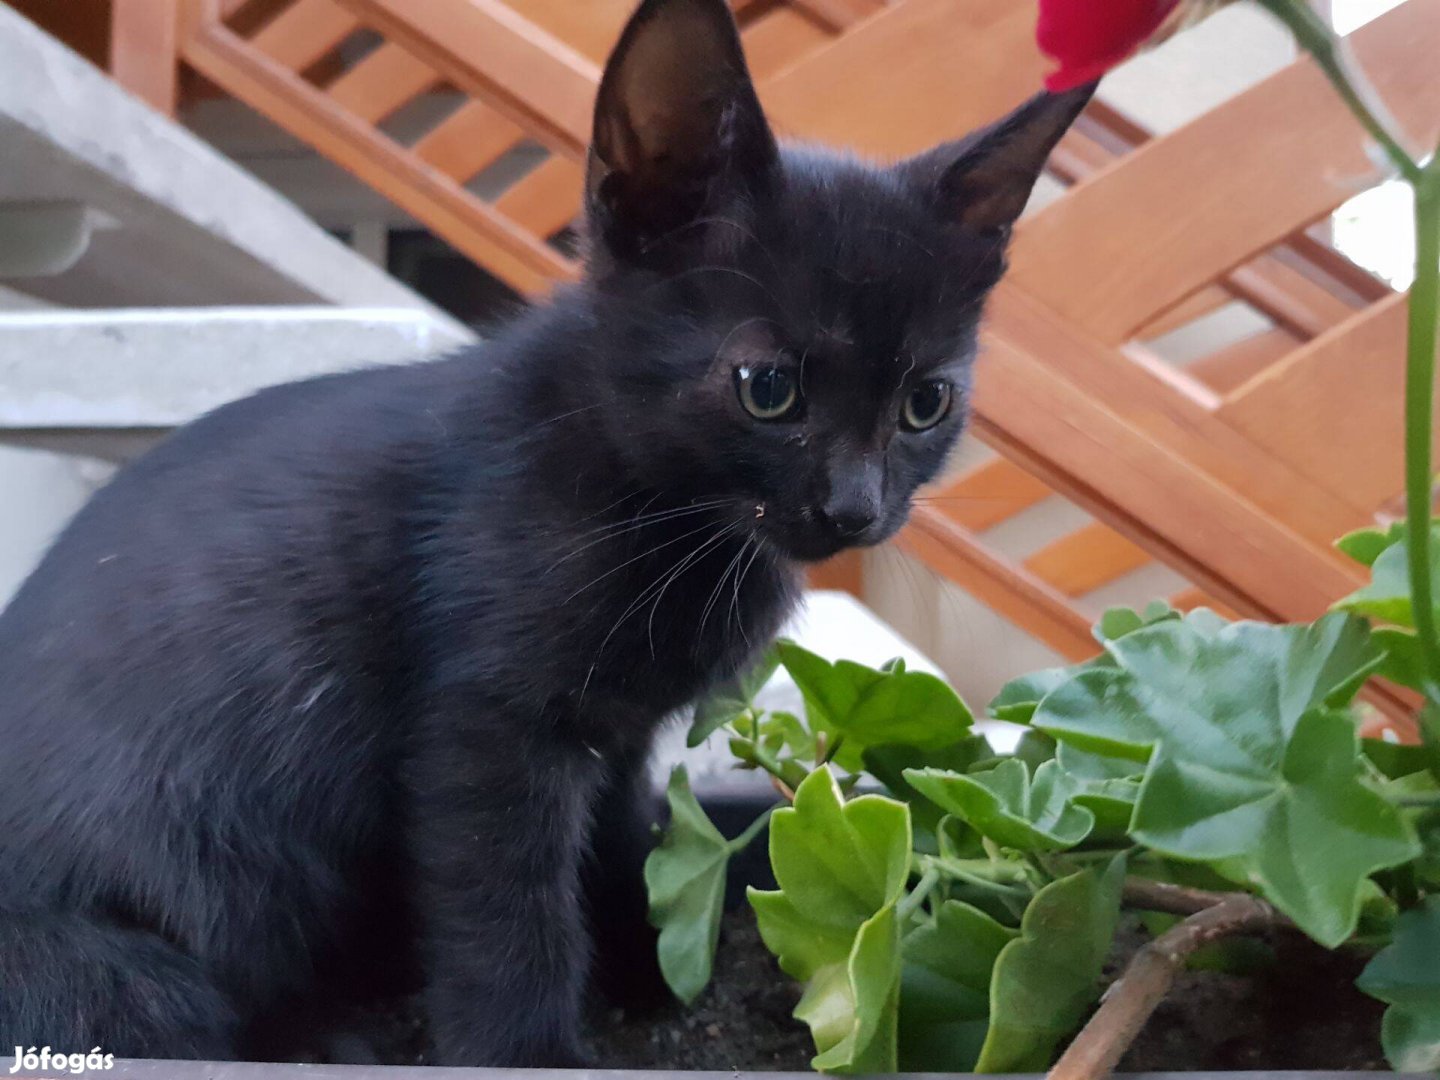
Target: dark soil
pixel 741 1021
pixel 1298 1010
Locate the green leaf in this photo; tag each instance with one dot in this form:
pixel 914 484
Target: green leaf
pixel 1367 545
pixel 1017 700
pixel 1119 621
pixel 841 868
pixel 1112 802
pixel 1403 661
pixel 873 708
pixel 1308 831
pixel 1406 976
pixel 1395 760
pixel 888 764
pixel 840 862
pixel 1387 597
pixel 852 1012
pixel 1009 807
pixel 685 878
pixel 1035 748
pixel 783 731
pixel 1107 787
pixel 1046 980
pixel 731 700
pixel 1250 767
pixel 1084 765
pixel 945 988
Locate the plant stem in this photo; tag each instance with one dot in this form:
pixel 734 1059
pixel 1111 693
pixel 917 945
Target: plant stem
pixel 917 896
pixel 1419 419
pixel 786 791
pixel 1332 56
pixel 1148 895
pixel 741 842
pixel 1148 978
pixel 1416 802
pixel 1145 894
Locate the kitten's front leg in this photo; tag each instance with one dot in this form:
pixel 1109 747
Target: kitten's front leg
pixel 627 968
pixel 501 809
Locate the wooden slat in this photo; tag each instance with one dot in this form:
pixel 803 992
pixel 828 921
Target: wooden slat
pixel 382 83
pixel 1333 407
pixel 143 50
pixel 987 495
pixel 1234 365
pixel 916 73
pixel 1196 306
pixel 1292 299
pixel 1145 396
pixel 516 257
pixel 1191 205
pixel 304 32
pixel 546 200
pixel 590 27
pixel 1086 559
pixel 780 39
pixel 1302 285
pixel 836 15
pixel 1322 260
pixel 486 49
pixel 470 139
pixel 1194 494
pixel 954 553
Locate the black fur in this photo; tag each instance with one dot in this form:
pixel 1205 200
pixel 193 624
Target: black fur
pixel 351 684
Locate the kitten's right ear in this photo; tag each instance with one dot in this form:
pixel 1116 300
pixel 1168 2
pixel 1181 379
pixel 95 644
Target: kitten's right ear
pixel 984 180
pixel 677 124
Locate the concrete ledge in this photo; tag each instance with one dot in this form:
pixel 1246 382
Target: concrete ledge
pixel 163 368
pixel 237 1070
pixel 40 492
pixel 191 227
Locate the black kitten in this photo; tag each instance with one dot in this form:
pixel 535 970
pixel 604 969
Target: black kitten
pixel 354 680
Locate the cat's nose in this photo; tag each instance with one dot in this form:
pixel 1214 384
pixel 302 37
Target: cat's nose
pixel 849 516
pixel 853 503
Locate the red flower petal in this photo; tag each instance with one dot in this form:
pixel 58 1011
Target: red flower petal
pixel 1089 37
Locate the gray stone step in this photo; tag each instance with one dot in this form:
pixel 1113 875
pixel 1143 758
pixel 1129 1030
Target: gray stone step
pixel 171 221
pixel 158 368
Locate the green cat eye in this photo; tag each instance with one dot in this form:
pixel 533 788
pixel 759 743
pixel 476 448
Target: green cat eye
pixel 769 392
pixel 927 405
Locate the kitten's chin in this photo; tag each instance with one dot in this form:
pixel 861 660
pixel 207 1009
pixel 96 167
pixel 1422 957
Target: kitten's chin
pixel 809 549
pixel 806 542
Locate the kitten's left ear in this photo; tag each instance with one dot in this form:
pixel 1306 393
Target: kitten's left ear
pixel 676 121
pixel 984 180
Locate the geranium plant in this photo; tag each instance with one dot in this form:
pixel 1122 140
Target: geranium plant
pixel 948 908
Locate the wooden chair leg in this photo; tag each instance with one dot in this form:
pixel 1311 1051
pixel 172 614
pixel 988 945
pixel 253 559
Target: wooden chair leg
pixel 144 56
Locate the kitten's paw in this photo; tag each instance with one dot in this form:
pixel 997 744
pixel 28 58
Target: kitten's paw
pixel 634 982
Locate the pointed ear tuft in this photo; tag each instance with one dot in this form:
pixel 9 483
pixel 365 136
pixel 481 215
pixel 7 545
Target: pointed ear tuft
pixel 984 180
pixel 676 113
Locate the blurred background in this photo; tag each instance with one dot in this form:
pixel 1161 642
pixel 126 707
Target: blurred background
pixel 200 198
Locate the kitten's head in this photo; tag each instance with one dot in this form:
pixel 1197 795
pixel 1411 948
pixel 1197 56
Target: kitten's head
pixel 788 329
